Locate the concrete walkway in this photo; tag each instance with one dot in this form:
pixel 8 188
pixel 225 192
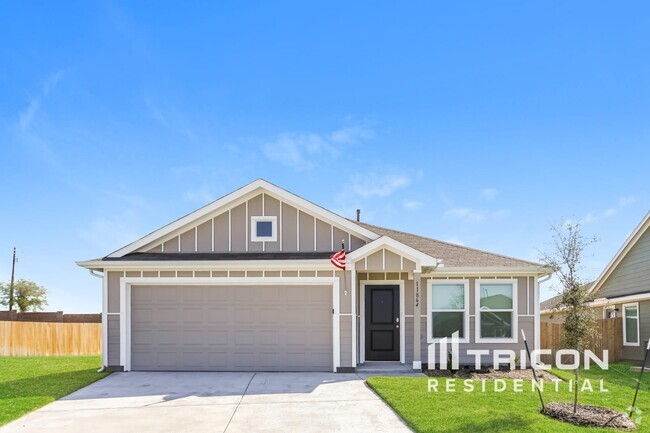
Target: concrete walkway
pixel 216 402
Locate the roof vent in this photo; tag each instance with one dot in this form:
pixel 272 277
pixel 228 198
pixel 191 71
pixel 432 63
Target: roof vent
pixel 358 215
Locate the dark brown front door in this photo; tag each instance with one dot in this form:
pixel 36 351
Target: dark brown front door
pixel 382 323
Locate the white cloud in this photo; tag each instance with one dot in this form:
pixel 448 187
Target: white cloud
pixel 300 151
pixel 609 212
pixel 110 233
pixel 378 184
pixel 489 193
pixel 474 215
pixel 185 170
pixel 201 195
pixel 26 117
pixel 351 135
pixel 466 214
pixel 412 204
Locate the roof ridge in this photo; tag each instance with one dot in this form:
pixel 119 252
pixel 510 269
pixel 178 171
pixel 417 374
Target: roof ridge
pixel 451 244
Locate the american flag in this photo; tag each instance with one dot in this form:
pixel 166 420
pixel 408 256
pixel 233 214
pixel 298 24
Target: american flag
pixel 338 259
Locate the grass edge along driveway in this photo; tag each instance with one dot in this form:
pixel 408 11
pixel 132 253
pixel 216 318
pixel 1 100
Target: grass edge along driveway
pixel 506 411
pixel 28 383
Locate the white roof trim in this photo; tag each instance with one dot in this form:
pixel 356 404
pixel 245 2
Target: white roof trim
pixel 492 270
pixel 622 252
pixel 397 247
pixel 216 265
pixel 285 195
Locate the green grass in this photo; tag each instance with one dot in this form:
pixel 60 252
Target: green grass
pixel 506 411
pixel 27 383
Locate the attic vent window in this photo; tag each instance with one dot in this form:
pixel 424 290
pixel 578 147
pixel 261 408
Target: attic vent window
pixel 264 228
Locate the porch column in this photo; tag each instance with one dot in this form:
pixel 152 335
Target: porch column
pixel 417 289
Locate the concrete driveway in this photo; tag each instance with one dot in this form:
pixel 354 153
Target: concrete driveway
pixel 216 402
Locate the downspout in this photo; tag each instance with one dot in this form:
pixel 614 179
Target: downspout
pixel 92 272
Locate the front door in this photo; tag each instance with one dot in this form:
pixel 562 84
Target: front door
pixel 382 323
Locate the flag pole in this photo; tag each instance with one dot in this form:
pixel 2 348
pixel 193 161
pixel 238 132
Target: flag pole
pixel 638 381
pixel 541 400
pixel 345 285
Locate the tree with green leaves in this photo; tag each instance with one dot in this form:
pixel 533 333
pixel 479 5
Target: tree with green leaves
pixel 27 295
pixel 565 258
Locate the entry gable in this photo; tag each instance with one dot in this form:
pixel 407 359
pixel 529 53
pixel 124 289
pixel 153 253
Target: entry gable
pixel 285 221
pixel 386 254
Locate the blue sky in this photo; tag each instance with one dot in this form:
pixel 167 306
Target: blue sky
pixel 478 123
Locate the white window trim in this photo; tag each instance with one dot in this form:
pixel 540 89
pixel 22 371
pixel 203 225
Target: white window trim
pixel 515 312
pixel 274 228
pixel 430 284
pixel 638 330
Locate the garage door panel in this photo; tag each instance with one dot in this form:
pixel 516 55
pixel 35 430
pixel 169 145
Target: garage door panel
pixel 244 316
pixel 167 294
pixel 193 315
pixel 165 315
pixel 245 328
pixel 216 316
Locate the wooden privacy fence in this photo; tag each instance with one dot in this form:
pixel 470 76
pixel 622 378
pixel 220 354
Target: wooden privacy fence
pixel 49 339
pixel 610 337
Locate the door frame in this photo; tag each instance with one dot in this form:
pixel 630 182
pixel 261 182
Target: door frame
pixel 125 302
pixel 362 316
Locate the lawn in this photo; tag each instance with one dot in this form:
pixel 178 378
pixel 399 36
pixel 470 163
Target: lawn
pixel 506 411
pixel 27 383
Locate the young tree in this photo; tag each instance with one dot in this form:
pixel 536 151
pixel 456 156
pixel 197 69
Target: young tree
pixel 27 296
pixel 565 258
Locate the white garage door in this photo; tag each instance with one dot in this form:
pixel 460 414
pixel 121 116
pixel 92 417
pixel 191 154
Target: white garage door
pixel 239 328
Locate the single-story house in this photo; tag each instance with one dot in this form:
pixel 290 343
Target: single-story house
pixel 247 283
pixel 623 290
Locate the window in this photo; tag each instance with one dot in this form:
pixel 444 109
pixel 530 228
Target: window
pixel 631 324
pixel 496 318
pixel 264 228
pixel 448 309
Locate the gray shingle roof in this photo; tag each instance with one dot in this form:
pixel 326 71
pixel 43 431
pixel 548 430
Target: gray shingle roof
pixel 550 303
pixel 452 255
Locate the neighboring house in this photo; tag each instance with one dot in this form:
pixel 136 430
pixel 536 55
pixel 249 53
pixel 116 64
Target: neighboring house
pixel 550 310
pixel 623 290
pixel 246 283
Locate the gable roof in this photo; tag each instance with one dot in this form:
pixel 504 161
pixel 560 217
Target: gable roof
pixel 257 185
pixel 427 250
pixel 452 255
pixel 622 252
pixel 550 304
pixel 555 302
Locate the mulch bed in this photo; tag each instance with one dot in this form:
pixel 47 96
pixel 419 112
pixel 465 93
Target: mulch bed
pixel 589 416
pixel 490 374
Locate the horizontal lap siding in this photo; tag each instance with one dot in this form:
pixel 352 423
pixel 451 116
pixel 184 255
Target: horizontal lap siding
pixel 632 275
pixel 113 329
pixel 346 340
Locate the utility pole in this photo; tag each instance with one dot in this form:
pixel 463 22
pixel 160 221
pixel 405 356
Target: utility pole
pixel 11 286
